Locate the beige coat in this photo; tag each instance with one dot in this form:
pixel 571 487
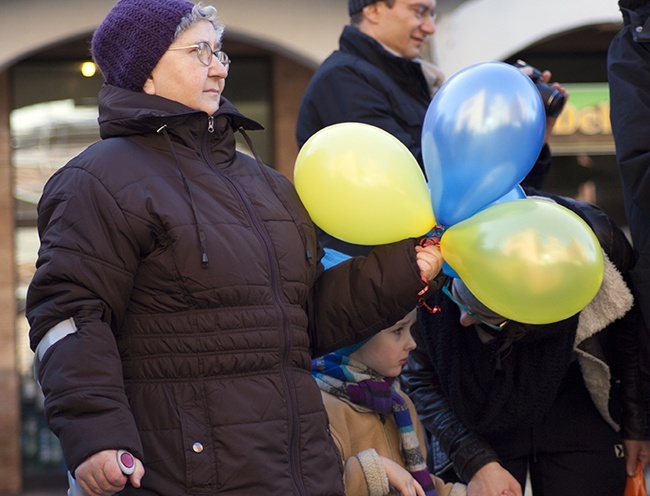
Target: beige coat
pixel 362 437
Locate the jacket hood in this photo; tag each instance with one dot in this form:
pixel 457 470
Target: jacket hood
pixel 612 302
pixel 126 113
pixel 123 113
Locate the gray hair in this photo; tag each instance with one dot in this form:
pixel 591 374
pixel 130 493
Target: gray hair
pixel 200 13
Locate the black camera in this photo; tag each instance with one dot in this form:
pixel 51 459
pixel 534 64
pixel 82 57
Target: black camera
pixel 553 99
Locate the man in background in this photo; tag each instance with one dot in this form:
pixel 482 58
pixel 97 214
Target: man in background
pixel 377 77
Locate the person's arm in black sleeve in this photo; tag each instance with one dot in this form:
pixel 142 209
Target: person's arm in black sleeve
pixel 628 74
pixel 467 451
pixel 85 270
pixel 628 71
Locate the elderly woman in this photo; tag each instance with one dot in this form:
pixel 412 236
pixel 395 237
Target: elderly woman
pixel 179 295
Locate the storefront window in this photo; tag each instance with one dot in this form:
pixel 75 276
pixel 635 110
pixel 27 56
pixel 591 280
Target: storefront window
pixel 584 161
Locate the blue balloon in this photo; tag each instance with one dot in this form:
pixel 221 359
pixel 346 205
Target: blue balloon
pixel 516 193
pixel 482 134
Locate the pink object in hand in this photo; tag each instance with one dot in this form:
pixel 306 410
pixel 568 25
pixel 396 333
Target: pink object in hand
pixel 126 462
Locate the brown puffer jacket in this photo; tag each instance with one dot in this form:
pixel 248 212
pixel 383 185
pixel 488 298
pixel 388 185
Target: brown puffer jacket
pixel 191 272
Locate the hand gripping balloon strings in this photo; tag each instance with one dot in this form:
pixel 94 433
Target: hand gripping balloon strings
pixel 431 238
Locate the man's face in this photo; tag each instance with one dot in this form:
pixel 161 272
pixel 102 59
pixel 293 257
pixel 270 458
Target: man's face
pixel 405 26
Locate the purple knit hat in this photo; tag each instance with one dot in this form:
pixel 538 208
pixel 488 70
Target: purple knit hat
pixel 355 6
pixel 133 37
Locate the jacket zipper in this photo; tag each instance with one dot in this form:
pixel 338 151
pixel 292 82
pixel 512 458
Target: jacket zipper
pixel 284 335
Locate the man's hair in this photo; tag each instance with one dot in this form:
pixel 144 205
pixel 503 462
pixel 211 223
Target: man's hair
pixel 355 19
pixel 633 4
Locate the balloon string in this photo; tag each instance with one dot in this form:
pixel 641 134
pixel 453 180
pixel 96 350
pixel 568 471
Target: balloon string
pixel 426 286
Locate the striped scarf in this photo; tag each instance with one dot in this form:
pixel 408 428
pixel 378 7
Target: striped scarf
pixel 352 381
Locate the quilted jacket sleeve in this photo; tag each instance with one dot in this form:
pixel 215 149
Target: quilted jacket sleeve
pixel 84 273
pixel 363 295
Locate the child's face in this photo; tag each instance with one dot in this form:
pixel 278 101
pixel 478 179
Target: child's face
pixel 387 351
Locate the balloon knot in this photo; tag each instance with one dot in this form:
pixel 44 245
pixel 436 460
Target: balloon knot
pixel 433 236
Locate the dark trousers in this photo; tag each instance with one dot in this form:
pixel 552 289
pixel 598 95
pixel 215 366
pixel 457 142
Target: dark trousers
pixel 572 451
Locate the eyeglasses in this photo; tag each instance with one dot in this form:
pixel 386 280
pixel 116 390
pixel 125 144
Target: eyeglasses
pixel 465 308
pixel 204 53
pixel 422 12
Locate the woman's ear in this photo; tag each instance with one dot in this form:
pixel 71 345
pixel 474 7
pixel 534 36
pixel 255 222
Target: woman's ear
pixel 149 87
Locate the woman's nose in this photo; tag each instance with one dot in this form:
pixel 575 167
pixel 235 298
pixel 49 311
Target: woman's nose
pixel 466 319
pixel 218 69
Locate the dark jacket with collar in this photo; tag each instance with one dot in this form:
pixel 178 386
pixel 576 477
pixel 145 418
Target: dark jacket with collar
pixel 362 82
pixel 628 70
pixel 603 337
pixel 192 274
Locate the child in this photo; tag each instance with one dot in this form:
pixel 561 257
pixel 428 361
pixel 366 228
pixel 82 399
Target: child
pixel 374 424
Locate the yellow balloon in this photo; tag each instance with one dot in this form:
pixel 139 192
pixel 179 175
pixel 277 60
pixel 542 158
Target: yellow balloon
pixel 362 185
pixel 530 260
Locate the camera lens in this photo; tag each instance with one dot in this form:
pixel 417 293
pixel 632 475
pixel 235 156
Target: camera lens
pixel 553 99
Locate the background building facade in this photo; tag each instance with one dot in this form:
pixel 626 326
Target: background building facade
pixel 48 114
